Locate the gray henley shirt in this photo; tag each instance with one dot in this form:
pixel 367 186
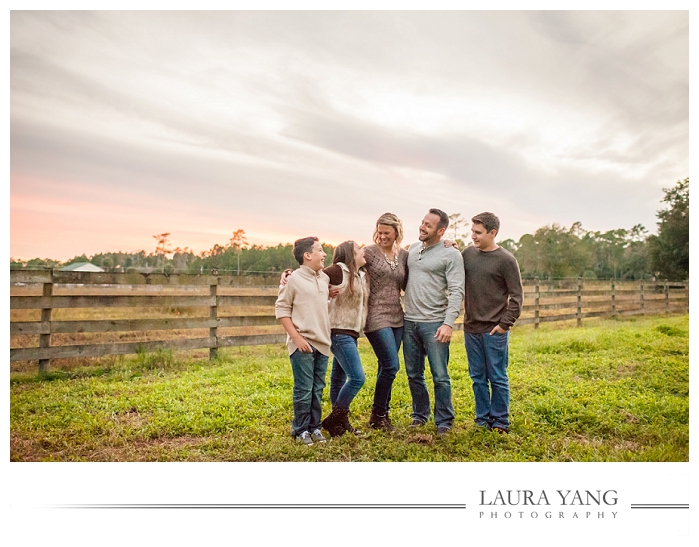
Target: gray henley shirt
pixel 435 286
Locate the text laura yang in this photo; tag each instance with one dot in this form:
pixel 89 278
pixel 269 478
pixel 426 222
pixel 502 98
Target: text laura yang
pixel 555 497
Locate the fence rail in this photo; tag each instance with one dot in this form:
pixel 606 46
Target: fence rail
pixel 56 315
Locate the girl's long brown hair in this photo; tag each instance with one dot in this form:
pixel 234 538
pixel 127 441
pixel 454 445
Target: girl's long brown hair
pixel 344 253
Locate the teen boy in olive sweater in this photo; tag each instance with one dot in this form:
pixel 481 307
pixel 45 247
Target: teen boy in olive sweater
pixel 302 309
pixel 492 303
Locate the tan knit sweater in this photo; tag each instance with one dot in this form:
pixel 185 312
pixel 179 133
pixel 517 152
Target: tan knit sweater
pixel 385 308
pixel 304 298
pixel 349 311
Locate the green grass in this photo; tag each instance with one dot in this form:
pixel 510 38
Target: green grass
pixel 610 391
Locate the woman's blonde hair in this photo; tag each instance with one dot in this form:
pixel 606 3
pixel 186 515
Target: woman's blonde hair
pixel 389 219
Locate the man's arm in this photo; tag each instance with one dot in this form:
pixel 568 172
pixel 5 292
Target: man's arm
pixel 513 281
pixel 454 273
pixel 404 258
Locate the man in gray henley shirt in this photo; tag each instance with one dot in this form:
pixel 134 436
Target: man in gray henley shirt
pixel 433 298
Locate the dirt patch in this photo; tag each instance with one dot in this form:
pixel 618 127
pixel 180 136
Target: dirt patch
pixel 186 448
pixel 620 444
pixel 627 369
pixel 420 438
pixel 628 417
pixel 130 418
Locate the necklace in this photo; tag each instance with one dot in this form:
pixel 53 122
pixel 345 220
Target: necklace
pixel 392 263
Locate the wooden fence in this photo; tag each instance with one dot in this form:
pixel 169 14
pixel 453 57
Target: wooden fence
pixel 57 314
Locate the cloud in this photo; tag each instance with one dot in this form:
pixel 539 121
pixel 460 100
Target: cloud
pixel 318 122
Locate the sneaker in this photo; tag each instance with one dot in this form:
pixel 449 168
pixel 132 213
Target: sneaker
pixel 416 423
pixel 317 436
pixel 442 430
pixel 500 430
pixel 305 438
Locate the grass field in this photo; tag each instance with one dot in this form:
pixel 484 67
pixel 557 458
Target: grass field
pixel 613 390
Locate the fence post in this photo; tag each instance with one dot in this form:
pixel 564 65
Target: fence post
pixel 666 289
pixel 213 314
pixel 45 339
pixel 537 296
pixel 613 299
pixel 579 313
pixel 643 304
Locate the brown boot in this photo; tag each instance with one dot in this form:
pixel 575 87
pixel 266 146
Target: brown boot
pixel 333 423
pixel 345 423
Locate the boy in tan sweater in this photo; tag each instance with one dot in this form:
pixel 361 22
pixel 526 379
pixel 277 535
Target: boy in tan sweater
pixel 302 309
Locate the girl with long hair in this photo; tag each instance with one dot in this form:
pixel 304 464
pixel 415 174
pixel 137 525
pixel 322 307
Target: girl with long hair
pixel 347 313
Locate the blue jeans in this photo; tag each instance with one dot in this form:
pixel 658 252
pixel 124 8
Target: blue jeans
pixel 487 364
pixel 386 344
pixel 309 380
pixel 419 342
pixel 347 376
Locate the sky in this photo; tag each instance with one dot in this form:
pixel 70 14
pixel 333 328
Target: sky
pixel 124 125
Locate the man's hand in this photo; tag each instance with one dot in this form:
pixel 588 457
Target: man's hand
pixel 285 275
pixel 443 334
pixel 497 330
pixel 450 243
pixel 333 291
pixel 303 345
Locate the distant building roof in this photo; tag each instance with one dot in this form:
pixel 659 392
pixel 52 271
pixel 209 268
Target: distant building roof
pixel 82 267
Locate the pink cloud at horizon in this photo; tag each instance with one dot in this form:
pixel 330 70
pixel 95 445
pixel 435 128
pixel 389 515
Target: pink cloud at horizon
pixel 105 221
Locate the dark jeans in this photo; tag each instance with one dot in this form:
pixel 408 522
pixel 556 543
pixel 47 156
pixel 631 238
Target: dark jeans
pixel 386 344
pixel 309 380
pixel 487 364
pixel 347 376
pixel 419 342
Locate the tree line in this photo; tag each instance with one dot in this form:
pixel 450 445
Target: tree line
pixel 553 251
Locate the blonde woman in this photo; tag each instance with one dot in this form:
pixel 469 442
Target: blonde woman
pixel 386 266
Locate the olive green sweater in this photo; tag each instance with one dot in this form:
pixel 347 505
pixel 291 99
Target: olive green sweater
pixel 493 290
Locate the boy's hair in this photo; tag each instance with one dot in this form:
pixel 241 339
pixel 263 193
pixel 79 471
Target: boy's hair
pixel 344 253
pixel 389 219
pixel 489 221
pixel 443 218
pixel 303 245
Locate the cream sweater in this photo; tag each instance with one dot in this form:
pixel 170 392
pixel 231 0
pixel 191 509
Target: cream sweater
pixel 349 311
pixel 304 299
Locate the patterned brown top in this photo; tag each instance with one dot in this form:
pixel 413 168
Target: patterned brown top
pixel 385 284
